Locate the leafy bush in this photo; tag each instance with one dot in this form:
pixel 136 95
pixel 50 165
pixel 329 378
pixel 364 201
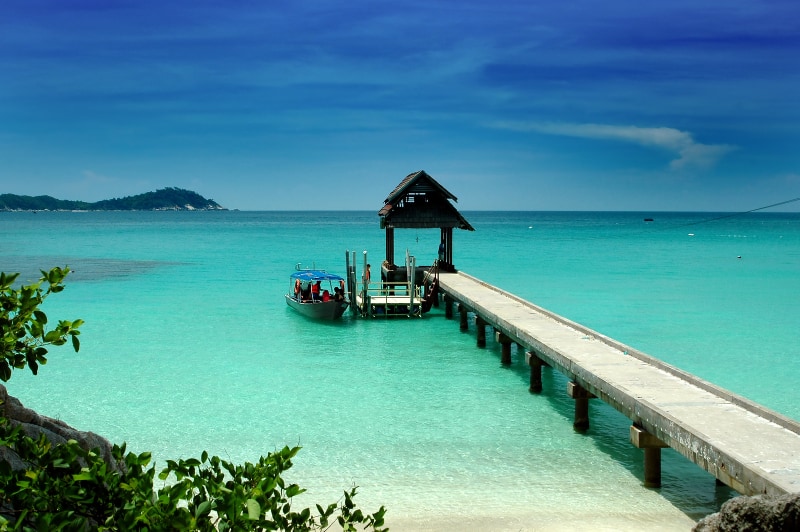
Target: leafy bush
pixel 22 324
pixel 67 487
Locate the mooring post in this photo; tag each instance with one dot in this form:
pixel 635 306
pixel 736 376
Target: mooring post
pixel 480 325
pixel 448 307
pixel 463 311
pixel 652 446
pixel 581 396
pixel 505 347
pixel 536 371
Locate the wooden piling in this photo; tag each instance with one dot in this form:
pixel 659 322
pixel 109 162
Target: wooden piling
pixel 652 455
pixel 480 326
pixel 505 348
pixel 462 310
pixel 448 307
pixel 536 372
pixel 581 396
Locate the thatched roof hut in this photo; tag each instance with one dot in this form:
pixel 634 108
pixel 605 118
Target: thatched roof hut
pixel 420 202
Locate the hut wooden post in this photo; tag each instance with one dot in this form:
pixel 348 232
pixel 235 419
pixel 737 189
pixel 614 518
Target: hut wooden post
pixel 390 245
pixel 447 238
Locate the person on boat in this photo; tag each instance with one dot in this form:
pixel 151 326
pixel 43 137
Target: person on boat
pixel 298 288
pixel 315 291
pixel 326 296
pixel 367 274
pixel 305 293
pixel 338 294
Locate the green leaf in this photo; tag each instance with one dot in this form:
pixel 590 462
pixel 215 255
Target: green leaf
pixel 76 343
pixel 83 475
pixel 294 490
pixel 253 509
pixel 202 509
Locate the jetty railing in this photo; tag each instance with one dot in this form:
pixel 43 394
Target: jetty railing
pixel 383 298
pixel 387 299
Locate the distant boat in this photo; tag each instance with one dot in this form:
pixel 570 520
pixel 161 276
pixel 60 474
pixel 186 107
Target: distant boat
pixel 648 219
pixel 317 294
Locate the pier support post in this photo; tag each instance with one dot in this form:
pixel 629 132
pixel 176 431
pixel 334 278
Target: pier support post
pixel 448 307
pixel 652 455
pixel 463 311
pixel 505 348
pixel 581 396
pixel 480 325
pixel 536 371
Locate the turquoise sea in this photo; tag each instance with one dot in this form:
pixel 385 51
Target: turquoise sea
pixel 188 345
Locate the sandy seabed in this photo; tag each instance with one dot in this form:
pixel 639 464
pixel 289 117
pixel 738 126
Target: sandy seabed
pixel 541 523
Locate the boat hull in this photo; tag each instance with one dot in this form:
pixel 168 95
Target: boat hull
pixel 320 310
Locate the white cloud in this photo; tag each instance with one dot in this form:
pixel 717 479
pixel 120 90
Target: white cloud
pixel 689 152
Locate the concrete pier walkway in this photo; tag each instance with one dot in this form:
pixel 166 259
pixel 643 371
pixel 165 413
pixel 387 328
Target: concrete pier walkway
pixel 750 448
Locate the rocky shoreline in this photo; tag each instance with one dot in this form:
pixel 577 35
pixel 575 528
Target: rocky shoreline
pixel 55 430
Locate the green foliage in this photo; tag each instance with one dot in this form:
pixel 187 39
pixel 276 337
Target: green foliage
pixel 23 324
pixel 67 487
pixel 13 202
pixel 165 198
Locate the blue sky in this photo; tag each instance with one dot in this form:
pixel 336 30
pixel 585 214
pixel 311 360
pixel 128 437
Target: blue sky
pixel 511 104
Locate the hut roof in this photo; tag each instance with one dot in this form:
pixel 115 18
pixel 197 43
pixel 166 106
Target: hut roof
pixel 419 201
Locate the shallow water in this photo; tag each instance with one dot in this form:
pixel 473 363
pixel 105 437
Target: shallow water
pixel 188 345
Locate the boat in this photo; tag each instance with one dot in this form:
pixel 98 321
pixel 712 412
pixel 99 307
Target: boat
pixel 317 294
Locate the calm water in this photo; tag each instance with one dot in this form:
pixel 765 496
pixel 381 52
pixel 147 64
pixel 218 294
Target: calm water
pixel 188 345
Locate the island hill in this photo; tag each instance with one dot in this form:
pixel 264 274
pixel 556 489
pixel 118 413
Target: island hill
pixel 166 199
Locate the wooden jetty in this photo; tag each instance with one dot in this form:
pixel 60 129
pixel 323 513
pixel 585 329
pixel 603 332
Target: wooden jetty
pixel 417 202
pixel 748 447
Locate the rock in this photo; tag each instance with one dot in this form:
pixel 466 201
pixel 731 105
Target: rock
pixel 55 430
pixel 751 514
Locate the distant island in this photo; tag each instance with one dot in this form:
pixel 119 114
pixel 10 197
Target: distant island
pixel 166 199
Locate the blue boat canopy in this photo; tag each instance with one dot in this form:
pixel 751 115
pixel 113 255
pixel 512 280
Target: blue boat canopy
pixel 315 275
